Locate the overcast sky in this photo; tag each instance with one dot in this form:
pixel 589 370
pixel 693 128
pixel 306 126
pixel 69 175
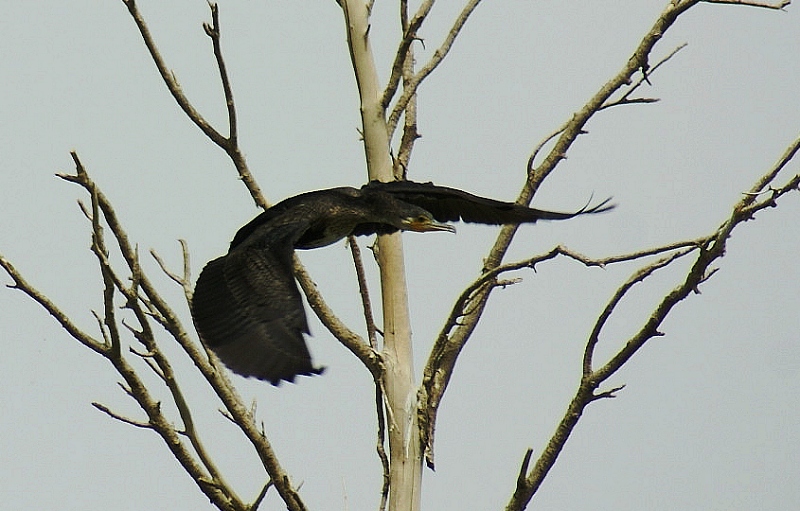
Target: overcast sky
pixel 709 417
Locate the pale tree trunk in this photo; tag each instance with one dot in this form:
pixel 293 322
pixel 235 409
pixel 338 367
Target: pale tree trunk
pixel 405 460
pixel 405 465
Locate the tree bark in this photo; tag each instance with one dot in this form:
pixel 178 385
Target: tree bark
pixel 405 460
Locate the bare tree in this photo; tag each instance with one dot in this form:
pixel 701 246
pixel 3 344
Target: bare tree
pixel 406 410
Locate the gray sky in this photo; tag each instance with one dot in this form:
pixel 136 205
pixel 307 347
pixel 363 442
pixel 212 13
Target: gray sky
pixel 708 419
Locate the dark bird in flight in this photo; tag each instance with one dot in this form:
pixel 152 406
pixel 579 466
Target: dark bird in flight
pixel 246 305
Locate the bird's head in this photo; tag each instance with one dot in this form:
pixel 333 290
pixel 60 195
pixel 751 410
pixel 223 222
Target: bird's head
pixel 422 221
pixel 389 210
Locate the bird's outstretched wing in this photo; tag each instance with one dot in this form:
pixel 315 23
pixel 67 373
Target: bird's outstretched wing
pixel 248 310
pixel 451 205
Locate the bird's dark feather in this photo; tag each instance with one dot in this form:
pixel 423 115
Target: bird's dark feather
pixel 329 197
pixel 246 305
pixel 368 228
pixel 451 205
pixel 248 310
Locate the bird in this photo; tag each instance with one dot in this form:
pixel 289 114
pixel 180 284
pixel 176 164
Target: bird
pixel 246 305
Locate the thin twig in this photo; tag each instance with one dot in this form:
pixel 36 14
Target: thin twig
pixel 410 28
pixel 410 131
pixel 102 328
pixel 531 165
pixel 523 469
pixel 260 497
pixel 66 323
pixel 607 394
pixel 380 400
pixel 363 290
pixel 178 279
pixel 183 280
pixel 380 410
pixel 770 176
pixel 139 424
pixel 625 98
pixel 780 6
pixel 212 30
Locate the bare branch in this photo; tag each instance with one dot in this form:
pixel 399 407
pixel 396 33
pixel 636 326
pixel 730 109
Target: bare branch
pixel 528 484
pixel 454 334
pixel 212 30
pixel 607 394
pixel 379 394
pixel 168 319
pixel 437 373
pixel 216 379
pixel 770 176
pixel 351 340
pixel 260 497
pixel 103 330
pixel 373 115
pixel 709 251
pixel 410 132
pixel 638 276
pixel 464 304
pixel 700 271
pixel 410 87
pixel 63 320
pixel 169 77
pixel 569 132
pixel 780 6
pixel 122 418
pixel 523 469
pixel 601 262
pixel 110 280
pixel 178 279
pixel 531 166
pixel 363 290
pixel 222 496
pixel 625 99
pixel 183 280
pixel 410 29
pixel 229 144
pixel 380 444
pixel 154 358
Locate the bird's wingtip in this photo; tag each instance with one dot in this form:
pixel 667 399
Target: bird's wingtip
pixel 276 382
pixel 601 207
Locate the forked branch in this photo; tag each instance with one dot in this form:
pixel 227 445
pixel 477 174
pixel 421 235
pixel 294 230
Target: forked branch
pixel 469 306
pixel 230 143
pixel 439 366
pixel 410 86
pixel 709 250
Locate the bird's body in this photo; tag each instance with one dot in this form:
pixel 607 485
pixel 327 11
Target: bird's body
pixel 330 215
pixel 246 305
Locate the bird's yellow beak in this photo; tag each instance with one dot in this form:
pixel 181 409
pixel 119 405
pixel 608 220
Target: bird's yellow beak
pixel 424 225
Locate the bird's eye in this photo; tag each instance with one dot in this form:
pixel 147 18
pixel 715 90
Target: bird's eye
pixel 421 219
